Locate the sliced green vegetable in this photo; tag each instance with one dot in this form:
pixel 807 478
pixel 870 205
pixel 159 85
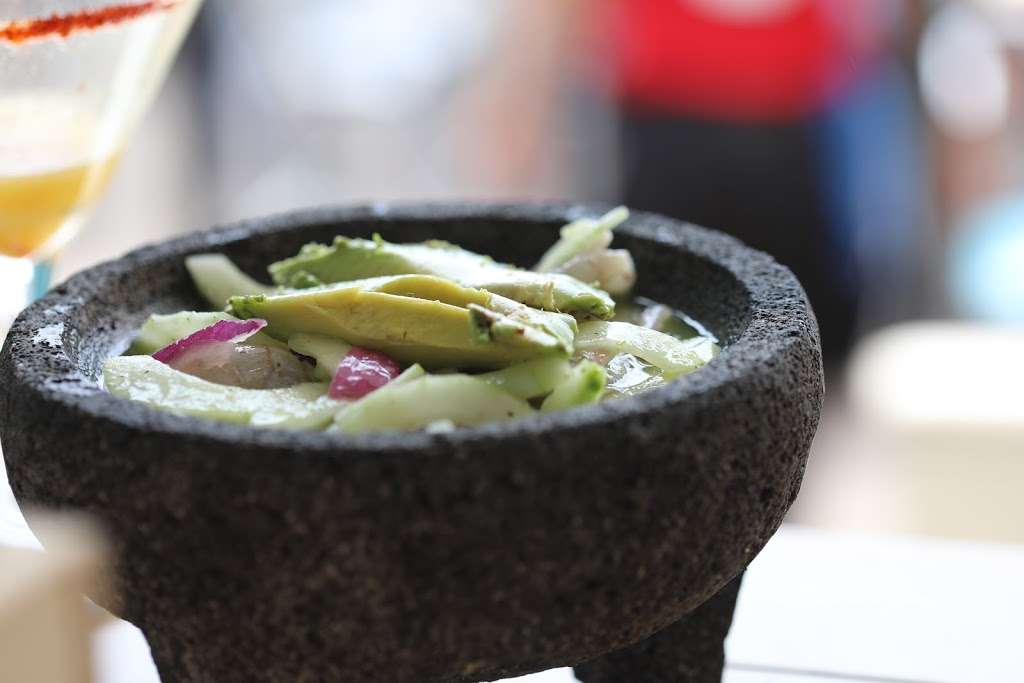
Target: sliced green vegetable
pixel 584 386
pixel 414 371
pixel 356 259
pixel 646 313
pixel 461 399
pixel 582 236
pixel 141 378
pixel 413 318
pixel 217 278
pixel 532 379
pixel 326 351
pixel 160 330
pixel 673 356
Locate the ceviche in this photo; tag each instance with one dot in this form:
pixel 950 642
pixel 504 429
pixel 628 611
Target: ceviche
pixel 366 335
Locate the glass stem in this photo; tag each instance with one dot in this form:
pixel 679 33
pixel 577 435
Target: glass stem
pixel 41 275
pixel 18 280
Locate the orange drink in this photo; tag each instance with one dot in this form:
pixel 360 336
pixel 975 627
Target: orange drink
pixel 38 211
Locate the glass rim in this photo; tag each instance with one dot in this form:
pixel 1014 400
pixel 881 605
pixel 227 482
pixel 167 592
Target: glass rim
pixel 64 25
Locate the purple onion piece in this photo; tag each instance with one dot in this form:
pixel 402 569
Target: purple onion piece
pixel 220 331
pixel 362 371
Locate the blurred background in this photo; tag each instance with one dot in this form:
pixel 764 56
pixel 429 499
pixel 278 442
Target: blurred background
pixel 874 147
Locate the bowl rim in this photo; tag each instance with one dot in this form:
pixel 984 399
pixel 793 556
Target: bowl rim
pixel 768 285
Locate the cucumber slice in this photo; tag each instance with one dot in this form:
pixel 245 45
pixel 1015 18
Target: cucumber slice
pixel 416 404
pixel 584 386
pixel 532 379
pixel 327 351
pixel 141 378
pixel 674 356
pixel 160 330
pixel 412 372
pixel 217 278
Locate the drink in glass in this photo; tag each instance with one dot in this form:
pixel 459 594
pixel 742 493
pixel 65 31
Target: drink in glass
pixel 74 81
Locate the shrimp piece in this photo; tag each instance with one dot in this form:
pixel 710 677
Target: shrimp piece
pixel 243 365
pixel 612 269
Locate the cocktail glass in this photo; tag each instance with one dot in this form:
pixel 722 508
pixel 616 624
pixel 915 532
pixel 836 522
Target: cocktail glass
pixel 75 78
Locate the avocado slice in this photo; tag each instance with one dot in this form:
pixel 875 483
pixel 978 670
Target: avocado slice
pixel 354 259
pixel 416 319
pixel 142 378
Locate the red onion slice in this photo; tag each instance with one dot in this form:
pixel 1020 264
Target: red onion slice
pixel 220 331
pixel 360 372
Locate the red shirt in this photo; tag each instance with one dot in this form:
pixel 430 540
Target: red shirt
pixel 679 56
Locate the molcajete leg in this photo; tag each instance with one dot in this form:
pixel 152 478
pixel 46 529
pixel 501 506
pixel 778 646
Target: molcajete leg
pixel 184 653
pixel 690 651
pixel 169 660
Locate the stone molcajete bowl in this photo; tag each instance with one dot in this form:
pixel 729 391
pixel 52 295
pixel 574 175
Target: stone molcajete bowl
pixel 610 538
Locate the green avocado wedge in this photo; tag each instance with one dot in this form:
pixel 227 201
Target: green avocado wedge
pixel 416 318
pixel 144 379
pixel 355 259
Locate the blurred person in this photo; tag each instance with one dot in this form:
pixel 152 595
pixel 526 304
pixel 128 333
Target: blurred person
pixel 343 101
pixel 787 123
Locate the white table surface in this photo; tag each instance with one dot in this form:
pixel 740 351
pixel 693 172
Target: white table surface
pixel 815 606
